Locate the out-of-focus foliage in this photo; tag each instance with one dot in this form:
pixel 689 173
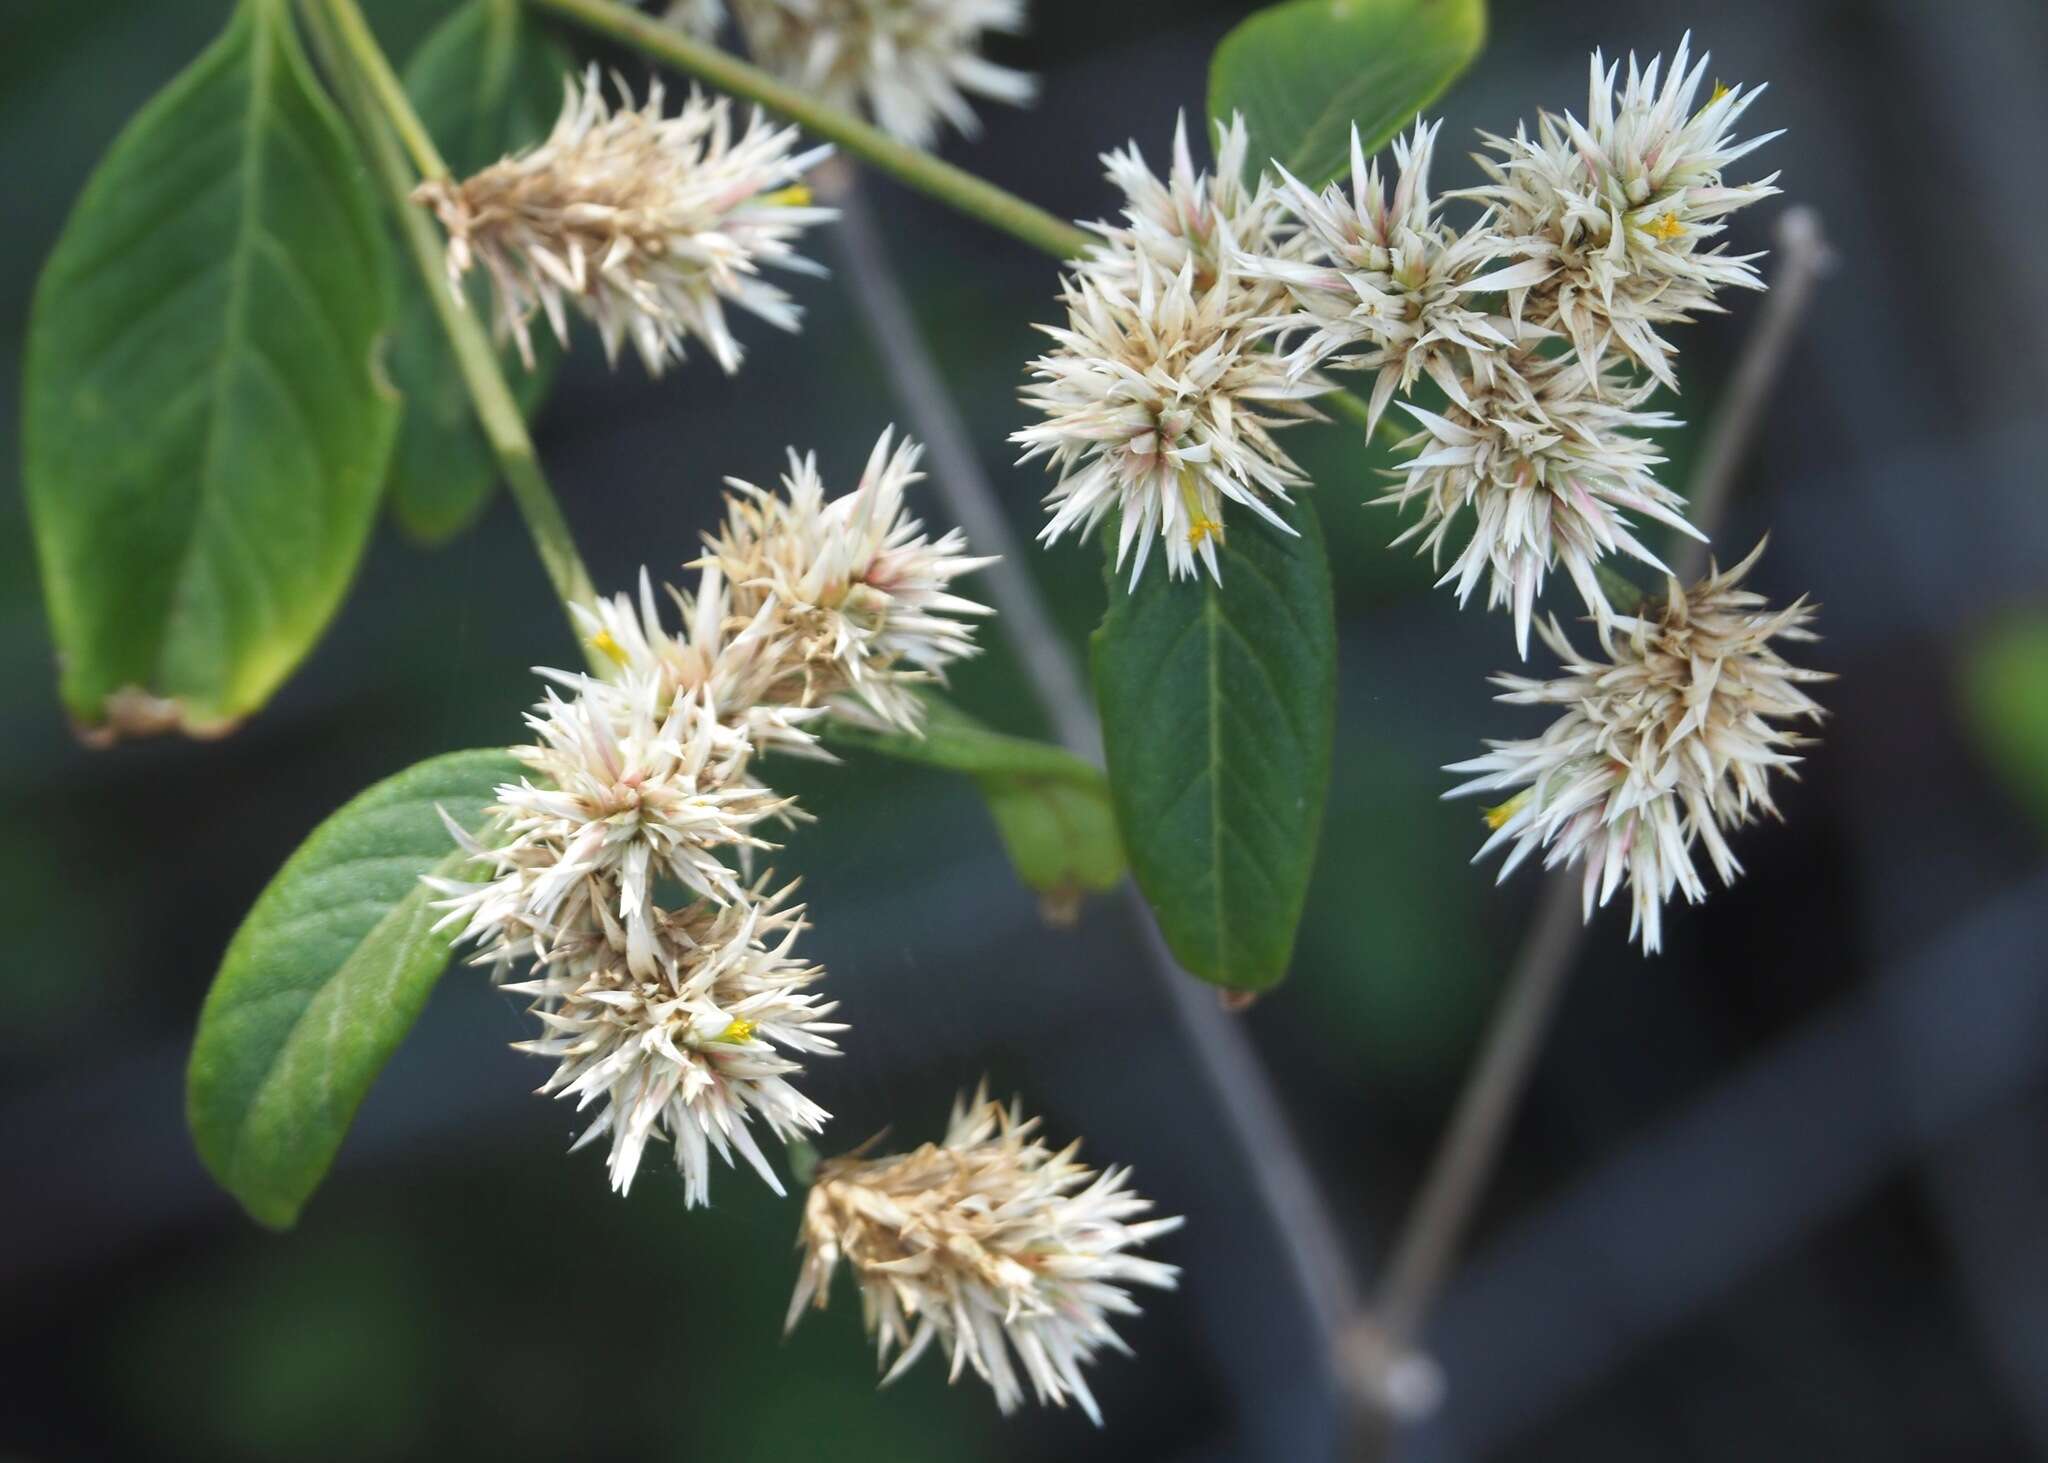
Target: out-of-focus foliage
pixel 245 1355
pixel 2005 686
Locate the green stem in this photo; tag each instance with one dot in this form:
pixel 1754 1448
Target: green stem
pixel 1343 404
pixel 353 56
pixel 951 185
pixel 1623 593
pixel 359 43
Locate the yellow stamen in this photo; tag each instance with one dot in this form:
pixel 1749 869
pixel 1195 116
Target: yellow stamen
pixel 796 195
pixel 603 643
pixel 1201 527
pixel 1498 815
pixel 1666 228
pixel 1721 89
pixel 740 1030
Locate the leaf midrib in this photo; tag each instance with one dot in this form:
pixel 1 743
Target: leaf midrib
pixel 1212 615
pixel 260 63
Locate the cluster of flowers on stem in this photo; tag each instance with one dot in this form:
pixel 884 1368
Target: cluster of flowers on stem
pixel 616 883
pixel 614 886
pixel 1221 308
pixel 620 868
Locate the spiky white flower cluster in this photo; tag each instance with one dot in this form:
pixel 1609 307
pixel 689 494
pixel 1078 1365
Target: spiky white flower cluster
pixel 695 1047
pixel 1621 211
pixel 1550 462
pixel 912 64
pixel 988 1243
pixel 1383 283
pixel 1668 743
pixel 650 226
pixel 862 594
pixel 1537 323
pixel 1592 235
pixel 1214 219
pixel 664 980
pixel 1160 399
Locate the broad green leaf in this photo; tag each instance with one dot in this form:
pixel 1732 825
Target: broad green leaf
pixel 1051 808
pixel 204 422
pixel 1217 714
pixel 323 980
pixel 2005 689
pixel 1303 72
pixel 486 84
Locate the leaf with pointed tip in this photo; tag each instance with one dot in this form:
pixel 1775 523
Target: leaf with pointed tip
pixel 323 980
pixel 1304 72
pixel 1218 706
pixel 205 429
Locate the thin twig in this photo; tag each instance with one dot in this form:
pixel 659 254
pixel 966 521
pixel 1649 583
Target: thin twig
pixel 1479 1125
pixel 956 472
pixel 1382 1358
pixel 1310 1240
pixel 1238 1085
pixel 1803 257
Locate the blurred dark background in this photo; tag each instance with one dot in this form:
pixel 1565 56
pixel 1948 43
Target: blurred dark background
pixel 1780 1193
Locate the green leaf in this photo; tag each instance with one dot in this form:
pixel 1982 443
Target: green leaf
pixel 486 84
pixel 1051 808
pixel 205 426
pixel 2005 693
pixel 324 978
pixel 1218 705
pixel 1303 72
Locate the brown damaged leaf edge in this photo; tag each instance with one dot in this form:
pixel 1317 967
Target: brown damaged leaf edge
pixel 134 712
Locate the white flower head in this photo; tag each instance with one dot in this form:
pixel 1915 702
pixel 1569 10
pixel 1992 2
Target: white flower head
pixel 740 665
pixel 629 791
pixel 1384 273
pixel 1211 218
pixel 1669 744
pixel 1160 404
pixel 1551 461
pixel 860 593
pixel 693 1048
pixel 912 63
pixel 651 226
pixel 988 1243
pixel 1626 205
